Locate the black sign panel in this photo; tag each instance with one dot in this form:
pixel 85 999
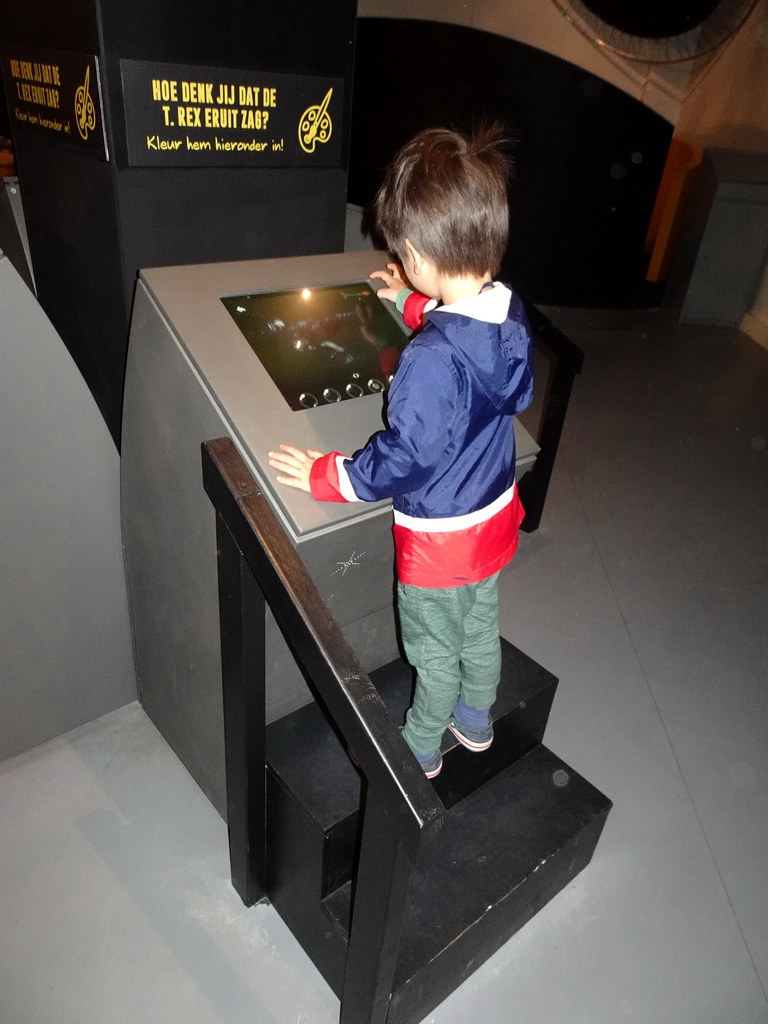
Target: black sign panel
pixel 181 116
pixel 57 93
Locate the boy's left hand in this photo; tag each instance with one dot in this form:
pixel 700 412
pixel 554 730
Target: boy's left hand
pixel 295 464
pixel 394 281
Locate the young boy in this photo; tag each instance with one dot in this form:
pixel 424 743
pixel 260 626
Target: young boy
pixel 447 459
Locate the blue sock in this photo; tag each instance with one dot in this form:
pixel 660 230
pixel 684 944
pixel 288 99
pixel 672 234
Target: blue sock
pixel 473 718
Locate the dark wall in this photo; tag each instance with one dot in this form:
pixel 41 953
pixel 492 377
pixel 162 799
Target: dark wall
pixel 52 25
pixel 93 224
pixel 588 156
pixel 74 240
pixel 5 121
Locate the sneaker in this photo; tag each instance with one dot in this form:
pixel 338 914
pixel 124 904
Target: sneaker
pixel 431 763
pixel 476 739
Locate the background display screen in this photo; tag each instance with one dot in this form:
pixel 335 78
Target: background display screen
pixel 321 345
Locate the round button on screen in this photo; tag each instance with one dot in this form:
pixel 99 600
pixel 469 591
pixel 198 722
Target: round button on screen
pixel 354 390
pixel 308 400
pixel 331 395
pixel 375 385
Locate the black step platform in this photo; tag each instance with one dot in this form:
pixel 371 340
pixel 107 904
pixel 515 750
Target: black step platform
pixel 520 825
pixel 305 754
pixel 397 888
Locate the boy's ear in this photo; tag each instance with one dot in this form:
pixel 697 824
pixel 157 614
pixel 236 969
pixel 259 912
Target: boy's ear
pixel 416 257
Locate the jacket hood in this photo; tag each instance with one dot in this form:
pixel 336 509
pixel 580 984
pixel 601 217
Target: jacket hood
pixel 491 332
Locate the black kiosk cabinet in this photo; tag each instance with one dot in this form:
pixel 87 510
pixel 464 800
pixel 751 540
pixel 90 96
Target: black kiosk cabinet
pixel 294 350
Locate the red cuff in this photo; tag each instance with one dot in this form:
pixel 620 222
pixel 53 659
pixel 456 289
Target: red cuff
pixel 324 478
pixel 413 310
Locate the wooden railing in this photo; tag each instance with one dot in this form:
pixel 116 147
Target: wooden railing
pixel 257 565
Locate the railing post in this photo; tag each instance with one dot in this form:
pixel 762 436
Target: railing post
pixel 242 614
pixel 569 360
pixel 381 891
pixel 535 484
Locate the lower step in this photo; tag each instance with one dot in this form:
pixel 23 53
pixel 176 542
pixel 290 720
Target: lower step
pixel 503 853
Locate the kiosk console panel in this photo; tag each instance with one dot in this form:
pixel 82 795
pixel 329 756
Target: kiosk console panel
pixel 295 350
pixel 321 345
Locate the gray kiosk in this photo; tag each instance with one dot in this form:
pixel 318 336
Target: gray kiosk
pixel 293 350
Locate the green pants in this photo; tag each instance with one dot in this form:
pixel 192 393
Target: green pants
pixel 451 637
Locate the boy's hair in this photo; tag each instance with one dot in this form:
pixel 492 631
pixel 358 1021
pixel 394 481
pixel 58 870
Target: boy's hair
pixel 447 194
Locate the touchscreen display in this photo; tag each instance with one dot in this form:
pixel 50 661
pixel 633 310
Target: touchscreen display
pixel 321 345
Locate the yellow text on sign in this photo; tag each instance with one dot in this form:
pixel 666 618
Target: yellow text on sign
pixel 211 105
pixel 33 71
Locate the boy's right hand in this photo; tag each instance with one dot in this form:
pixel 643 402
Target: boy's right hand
pixel 294 465
pixel 394 281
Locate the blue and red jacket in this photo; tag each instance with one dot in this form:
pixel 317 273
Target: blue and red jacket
pixel 447 459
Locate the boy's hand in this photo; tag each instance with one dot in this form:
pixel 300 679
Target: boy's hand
pixel 394 281
pixel 296 464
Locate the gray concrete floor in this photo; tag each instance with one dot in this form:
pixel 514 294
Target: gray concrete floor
pixel 646 591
